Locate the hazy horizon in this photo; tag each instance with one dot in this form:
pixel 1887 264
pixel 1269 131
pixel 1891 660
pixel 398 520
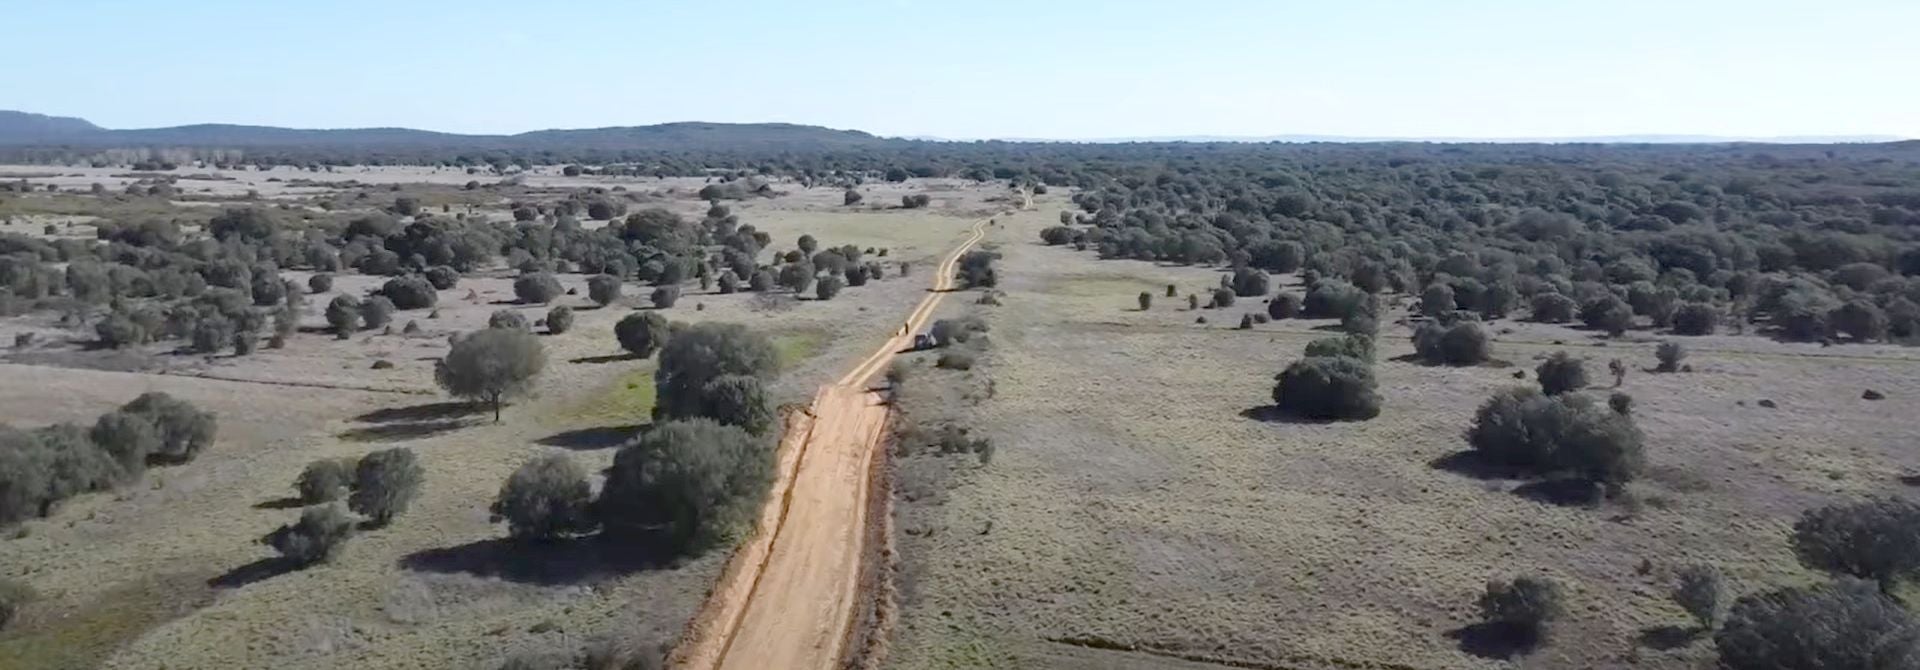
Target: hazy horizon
pixel 1479 69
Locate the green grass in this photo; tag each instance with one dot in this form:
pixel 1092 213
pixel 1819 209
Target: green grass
pixel 85 636
pixel 795 347
pixel 626 400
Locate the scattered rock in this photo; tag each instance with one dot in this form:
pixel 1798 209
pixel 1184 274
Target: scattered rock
pixel 573 291
pixel 1559 342
pixel 1519 374
pixel 1686 367
pixel 1871 394
pixel 1769 404
pixel 1200 320
pixel 383 364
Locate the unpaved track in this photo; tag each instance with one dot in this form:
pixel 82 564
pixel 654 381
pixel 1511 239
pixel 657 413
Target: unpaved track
pixel 790 592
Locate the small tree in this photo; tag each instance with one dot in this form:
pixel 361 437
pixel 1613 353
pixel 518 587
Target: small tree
pixel 185 430
pixel 1523 609
pixel 547 498
pixel 317 537
pixel 343 315
pixel 1437 300
pixel 1699 593
pixel 641 333
pixel 603 289
pixel 977 269
pixel 1843 624
pixel 1193 301
pixel 1619 370
pixel 376 312
pixel 1250 283
pixel 492 365
pixel 828 287
pixel 1222 297
pixel 536 288
pixel 441 278
pixel 699 480
pixel 1620 403
pixel 1608 313
pixel 1146 301
pixel 738 400
pixel 320 283
pixel 507 319
pixel 1694 318
pixel 1561 373
pixel 1553 308
pixel 1283 306
pixel 128 439
pixel 1877 539
pixel 385 484
pixel 664 297
pixel 324 480
pixel 1328 388
pixel 410 292
pixel 1669 353
pixel 559 319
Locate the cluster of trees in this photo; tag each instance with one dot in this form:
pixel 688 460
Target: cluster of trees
pixel 39 468
pixel 378 486
pixel 1333 380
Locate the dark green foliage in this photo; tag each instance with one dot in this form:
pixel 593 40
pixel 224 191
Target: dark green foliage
pixel 1694 318
pixel 729 283
pixel 376 312
pixel 1436 300
pixel 850 198
pixel 14 595
pixel 977 269
pixel 536 287
pixel 320 283
pixel 1877 539
pixel 603 289
pixel 1620 403
pixel 491 365
pixel 1552 308
pixel 1860 320
pixel 1559 435
pixel 119 330
pixel 1283 306
pixel 1561 373
pixel 946 332
pixel 1463 343
pixel 1328 388
pixel 697 482
pixel 440 277
pixel 410 293
pixel 796 277
pixel 324 480
pixel 1842 624
pixel 738 400
pixel 1524 608
pixel 641 333
pixel 1351 346
pixel 184 430
pixel 1607 313
pixel 1146 301
pixel 128 439
pixel 696 356
pixel 664 297
pixel 828 287
pixel 762 281
pixel 1332 299
pixel 319 535
pixel 559 319
pixel 1700 593
pixel 1669 353
pixel 268 289
pixel 1222 297
pixel 510 319
pixel 1057 235
pixel 916 200
pixel 385 483
pixel 212 333
pixel 1250 283
pixel 343 315
pixel 549 497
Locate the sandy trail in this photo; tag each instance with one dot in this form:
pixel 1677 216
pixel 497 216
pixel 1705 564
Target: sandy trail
pixel 789 594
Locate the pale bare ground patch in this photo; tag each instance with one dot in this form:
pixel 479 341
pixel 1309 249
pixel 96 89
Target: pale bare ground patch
pixel 1130 501
pixel 431 590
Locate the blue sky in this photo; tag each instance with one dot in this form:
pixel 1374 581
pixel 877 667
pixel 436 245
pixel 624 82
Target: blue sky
pixel 1066 69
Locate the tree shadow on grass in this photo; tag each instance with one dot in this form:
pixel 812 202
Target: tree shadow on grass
pixel 557 562
pixel 398 432
pixel 1562 492
pixel 585 439
pixel 1473 464
pixel 1493 640
pixel 609 358
pixel 1667 638
pixel 288 502
pixel 423 412
pixel 257 571
pixel 1273 414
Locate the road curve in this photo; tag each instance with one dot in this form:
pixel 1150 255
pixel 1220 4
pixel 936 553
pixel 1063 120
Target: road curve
pixel 789 594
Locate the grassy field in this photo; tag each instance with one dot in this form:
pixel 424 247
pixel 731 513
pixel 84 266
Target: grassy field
pixel 1134 503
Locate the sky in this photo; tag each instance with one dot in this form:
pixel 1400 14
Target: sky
pixel 973 69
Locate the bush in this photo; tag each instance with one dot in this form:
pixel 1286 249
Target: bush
pixel 536 288
pixel 697 480
pixel 559 319
pixel 1524 608
pixel 737 400
pixel 1437 300
pixel 547 498
pixel 376 312
pixel 641 333
pixel 343 315
pixel 441 278
pixel 729 283
pixel 14 595
pixel 947 332
pixel 1877 539
pixel 664 297
pixel 850 198
pixel 1561 373
pixel 320 283
pixel 1328 388
pixel 1351 346
pixel 977 270
pixel 1283 306
pixel 410 292
pixel 603 289
pixel 1620 403
pixel 491 365
pixel 1332 299
pixel 1056 235
pixel 185 430
pixel 1860 320
pixel 1146 301
pixel 127 438
pixel 323 480
pixel 1552 308
pixel 1694 318
pixel 385 483
pixel 1560 435
pixel 1669 353
pixel 1249 283
pixel 1463 343
pixel 212 333
pixel 1844 624
pixel 762 281
pixel 698 355
pixel 1699 593
pixel 828 287
pixel 508 319
pixel 120 330
pixel 1607 313
pixel 317 537
pixel 916 201
pixel 268 290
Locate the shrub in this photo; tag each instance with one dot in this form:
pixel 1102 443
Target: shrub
pixel 850 198
pixel 762 281
pixel 699 481
pixel 1283 306
pixel 828 287
pixel 385 483
pixel 212 333
pixel 1620 403
pixel 1860 320
pixel 1437 300
pixel 1351 346
pixel 641 333
pixel 441 278
pixel 508 319
pixel 317 537
pixel 1328 388
pixel 491 365
pixel 536 288
pixel 1524 608
pixel 1360 322
pixel 729 283
pixel 1463 343
pixel 664 297
pixel 603 289
pixel 1146 301
pixel 1056 235
pixel 14 595
pixel 1248 282
pixel 977 270
pixel 1669 353
pixel 954 360
pixel 548 497
pixel 128 439
pixel 916 201
pixel 1552 308
pixel 1694 318
pixel 376 312
pixel 323 480
pixel 1561 373
pixel 946 332
pixel 343 315
pixel 1699 593
pixel 1559 435
pixel 699 354
pixel 1877 539
pixel 559 319
pixel 410 292
pixel 1332 299
pixel 185 430
pixel 120 330
pixel 737 400
pixel 1222 297
pixel 268 290
pixel 320 283
pixel 1607 313
pixel 1843 624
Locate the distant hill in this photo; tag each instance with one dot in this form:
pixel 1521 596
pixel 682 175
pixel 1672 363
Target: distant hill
pixel 40 127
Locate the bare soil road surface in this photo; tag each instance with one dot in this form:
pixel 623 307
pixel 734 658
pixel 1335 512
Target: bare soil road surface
pixel 790 592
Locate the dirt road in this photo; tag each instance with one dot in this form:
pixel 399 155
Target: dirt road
pixel 789 594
